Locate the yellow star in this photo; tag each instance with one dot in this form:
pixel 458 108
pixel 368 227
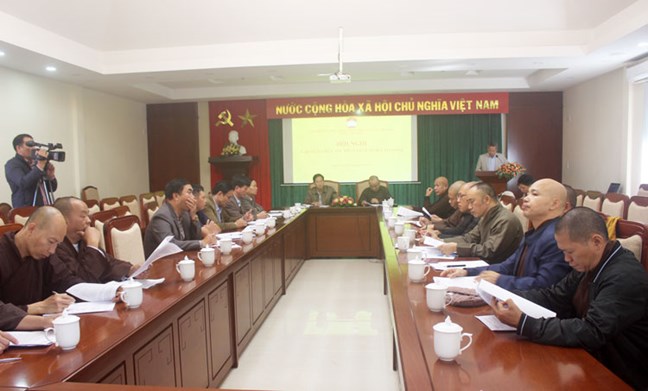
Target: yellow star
pixel 247 118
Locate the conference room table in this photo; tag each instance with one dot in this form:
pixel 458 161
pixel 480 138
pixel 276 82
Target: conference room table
pixel 191 334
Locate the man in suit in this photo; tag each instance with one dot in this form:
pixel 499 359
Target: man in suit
pixel 234 205
pixel 79 251
pixel 176 217
pixel 214 208
pixel 248 202
pixel 491 160
pixel 320 194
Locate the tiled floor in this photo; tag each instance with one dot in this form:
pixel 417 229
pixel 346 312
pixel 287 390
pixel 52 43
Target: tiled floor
pixel 331 331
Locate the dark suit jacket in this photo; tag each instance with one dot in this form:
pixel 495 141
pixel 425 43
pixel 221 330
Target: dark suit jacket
pixel 328 193
pixel 233 209
pixel 23 181
pixel 164 223
pixel 249 203
pixel 212 214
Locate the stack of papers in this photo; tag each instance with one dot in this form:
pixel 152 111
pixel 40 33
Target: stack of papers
pixel 408 214
pixel 163 249
pixel 28 339
pixel 461 264
pixel 90 307
pixel 458 282
pixel 488 291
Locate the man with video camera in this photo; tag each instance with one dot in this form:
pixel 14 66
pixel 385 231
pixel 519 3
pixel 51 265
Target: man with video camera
pixel 30 175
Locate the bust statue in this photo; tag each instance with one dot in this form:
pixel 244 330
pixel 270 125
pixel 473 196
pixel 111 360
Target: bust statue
pixel 233 144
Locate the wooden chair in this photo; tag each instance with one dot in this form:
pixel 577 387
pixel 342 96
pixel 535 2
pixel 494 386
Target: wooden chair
pixel 98 220
pixel 21 214
pixel 627 229
pixel 93 206
pixel 615 204
pixel 593 200
pixel 361 186
pixel 149 210
pixel 643 190
pixel 124 239
pixel 4 212
pixel 580 196
pixel 638 209
pixel 335 185
pixel 122 210
pixel 132 203
pixel 10 227
pixel 90 193
pixel 109 203
pixel 159 197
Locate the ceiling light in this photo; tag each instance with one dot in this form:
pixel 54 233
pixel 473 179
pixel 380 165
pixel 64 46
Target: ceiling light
pixel 50 68
pixel 276 78
pixel 2 53
pixel 472 73
pixel 642 44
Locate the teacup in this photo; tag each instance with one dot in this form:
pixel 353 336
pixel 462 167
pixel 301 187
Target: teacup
pixel 225 246
pixel 399 228
pixel 259 228
pixel 415 254
pixel 247 236
pixel 286 214
pixel 447 340
pixel 132 294
pixel 66 332
pixel 403 243
pixel 435 296
pixel 207 255
pixel 391 221
pixel 387 212
pixel 410 233
pixel 271 222
pixel 187 269
pixel 417 270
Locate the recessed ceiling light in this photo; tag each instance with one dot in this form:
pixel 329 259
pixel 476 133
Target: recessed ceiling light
pixel 472 73
pixel 2 53
pixel 642 44
pixel 50 68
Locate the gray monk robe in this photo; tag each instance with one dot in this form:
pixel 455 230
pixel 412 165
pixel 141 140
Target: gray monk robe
pixel 25 281
pixel 90 264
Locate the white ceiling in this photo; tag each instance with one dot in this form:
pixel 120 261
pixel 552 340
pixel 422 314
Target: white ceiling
pixel 174 50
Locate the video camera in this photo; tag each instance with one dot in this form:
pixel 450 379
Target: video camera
pixel 52 153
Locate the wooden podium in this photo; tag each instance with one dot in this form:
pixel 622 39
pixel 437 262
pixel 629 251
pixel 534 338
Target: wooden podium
pixel 232 165
pixel 490 177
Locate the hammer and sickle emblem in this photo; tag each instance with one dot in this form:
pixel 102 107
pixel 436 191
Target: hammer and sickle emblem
pixel 225 118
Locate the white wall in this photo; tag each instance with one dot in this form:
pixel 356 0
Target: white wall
pixel 595 118
pixel 104 136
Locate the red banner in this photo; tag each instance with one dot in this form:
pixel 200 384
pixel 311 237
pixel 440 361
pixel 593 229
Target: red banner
pixel 414 104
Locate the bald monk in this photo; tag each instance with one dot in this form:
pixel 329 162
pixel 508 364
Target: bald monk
pixel 538 262
pixel 374 194
pixel 441 208
pixel 80 252
pixel 496 236
pixel 27 278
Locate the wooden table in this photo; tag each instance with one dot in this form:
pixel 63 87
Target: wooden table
pixel 493 361
pixel 190 334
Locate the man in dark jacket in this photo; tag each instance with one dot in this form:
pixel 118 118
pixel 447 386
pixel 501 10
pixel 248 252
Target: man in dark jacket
pixel 537 263
pixel 24 175
pixel 601 305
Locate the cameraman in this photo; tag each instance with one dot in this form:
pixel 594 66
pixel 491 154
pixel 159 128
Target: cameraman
pixel 23 174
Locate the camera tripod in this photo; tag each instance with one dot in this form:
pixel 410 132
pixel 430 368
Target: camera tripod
pixel 44 187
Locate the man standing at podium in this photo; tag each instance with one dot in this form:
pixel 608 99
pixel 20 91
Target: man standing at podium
pixel 491 160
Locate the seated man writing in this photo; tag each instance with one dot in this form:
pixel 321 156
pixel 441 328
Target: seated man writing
pixel 459 223
pixel 374 194
pixel 176 217
pixel 79 251
pixel 320 194
pixel 29 279
pixel 537 263
pixel 601 305
pixel 496 236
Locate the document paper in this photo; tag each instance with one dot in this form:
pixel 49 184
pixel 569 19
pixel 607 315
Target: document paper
pixel 408 213
pixel 487 291
pixel 165 248
pixel 30 338
pixel 458 264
